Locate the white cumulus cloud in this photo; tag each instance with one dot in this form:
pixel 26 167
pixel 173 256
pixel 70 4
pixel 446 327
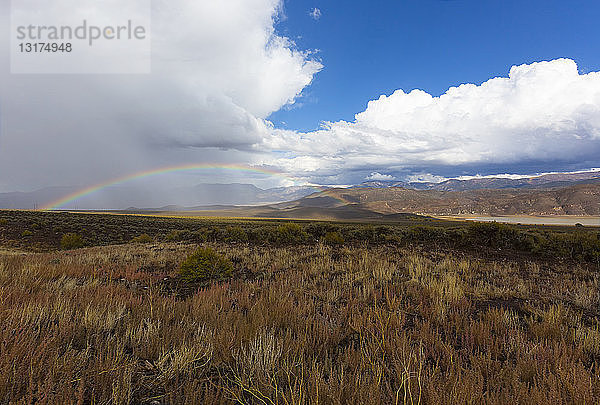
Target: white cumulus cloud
pixel 424 178
pixel 378 176
pixel 219 69
pixel 542 112
pixel 315 13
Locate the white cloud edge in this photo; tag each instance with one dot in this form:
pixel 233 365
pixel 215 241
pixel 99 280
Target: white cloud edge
pixel 315 13
pixel 543 111
pixel 376 176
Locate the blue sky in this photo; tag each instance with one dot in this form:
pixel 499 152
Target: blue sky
pixel 373 48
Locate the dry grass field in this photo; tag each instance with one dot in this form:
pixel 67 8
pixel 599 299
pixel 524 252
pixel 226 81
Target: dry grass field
pixel 298 323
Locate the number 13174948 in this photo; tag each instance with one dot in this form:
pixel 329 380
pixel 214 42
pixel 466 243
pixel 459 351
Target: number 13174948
pixel 38 47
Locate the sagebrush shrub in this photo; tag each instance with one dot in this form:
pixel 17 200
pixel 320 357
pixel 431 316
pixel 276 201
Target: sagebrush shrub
pixel 236 234
pixel 143 238
pixel 71 241
pixel 334 238
pixel 178 235
pixel 205 264
pixel 291 233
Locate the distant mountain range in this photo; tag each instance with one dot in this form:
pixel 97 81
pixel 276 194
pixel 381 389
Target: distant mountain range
pixel 243 194
pixel 542 181
pixel 575 199
pixel 395 203
pixel 121 197
pixel 33 199
pixel 550 194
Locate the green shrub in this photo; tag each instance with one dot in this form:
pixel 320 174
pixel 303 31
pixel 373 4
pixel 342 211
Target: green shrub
pixel 236 234
pixel 334 238
pixel 290 233
pixel 215 233
pixel 320 229
pixel 71 241
pixel 496 235
pixel 173 236
pixel 143 238
pixel 26 233
pixel 423 233
pixel 199 236
pixel 574 245
pixel 178 235
pixel 3 221
pixel 206 265
pixel 365 233
pixel 261 234
pixel 383 230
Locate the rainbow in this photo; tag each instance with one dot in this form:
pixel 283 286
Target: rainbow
pixel 171 169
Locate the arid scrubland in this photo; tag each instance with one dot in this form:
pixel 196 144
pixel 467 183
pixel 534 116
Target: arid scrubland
pixel 296 324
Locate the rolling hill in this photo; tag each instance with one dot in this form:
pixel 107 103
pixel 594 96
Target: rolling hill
pixel 579 199
pixel 396 203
